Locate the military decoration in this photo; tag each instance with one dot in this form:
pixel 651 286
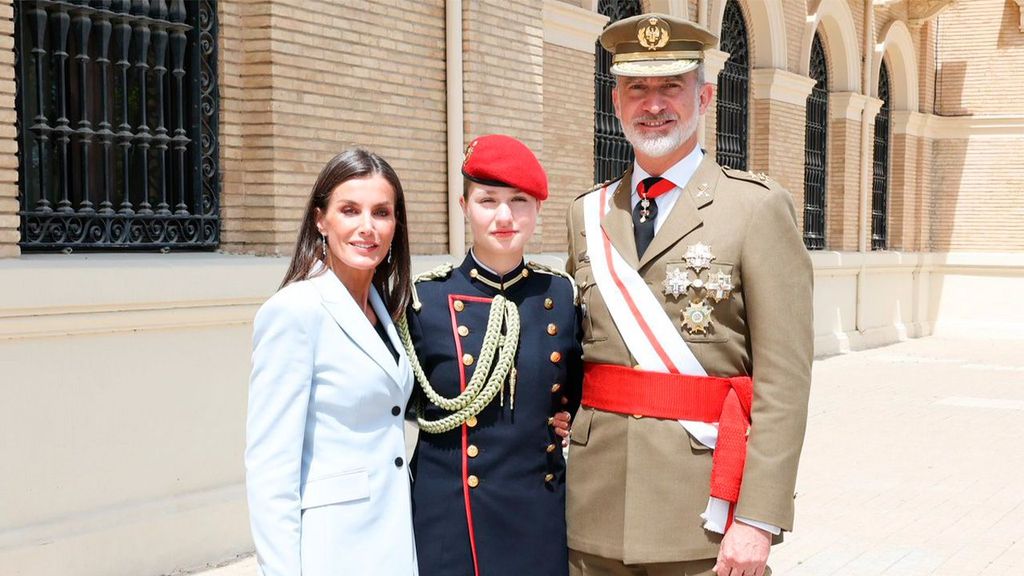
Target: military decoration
pixel 719 286
pixel 697 317
pixel 653 34
pixel 704 290
pixel 698 257
pixel 676 283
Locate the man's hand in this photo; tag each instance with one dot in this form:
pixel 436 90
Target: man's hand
pixel 744 551
pixel 560 422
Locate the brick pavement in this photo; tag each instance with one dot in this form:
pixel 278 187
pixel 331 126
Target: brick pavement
pixel 911 465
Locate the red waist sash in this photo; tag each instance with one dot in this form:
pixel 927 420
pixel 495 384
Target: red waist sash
pixel 727 401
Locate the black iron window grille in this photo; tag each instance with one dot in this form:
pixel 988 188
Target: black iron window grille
pixel 117 124
pixel 880 168
pixel 612 152
pixel 733 91
pixel 815 152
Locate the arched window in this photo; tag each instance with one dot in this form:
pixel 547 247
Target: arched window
pixel 612 152
pixel 733 91
pixel 880 171
pixel 815 153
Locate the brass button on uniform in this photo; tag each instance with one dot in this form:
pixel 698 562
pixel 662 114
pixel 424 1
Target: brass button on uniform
pixel 473 481
pixel 556 356
pixel 463 331
pixel 473 273
pixel 549 303
pixel 549 477
pixel 472 451
pixel 471 421
pixel 551 448
pixel 467 359
pixel 552 329
pixel 526 272
pixel 555 387
pixel 458 305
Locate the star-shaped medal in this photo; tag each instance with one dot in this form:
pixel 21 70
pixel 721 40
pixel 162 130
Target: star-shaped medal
pixel 698 256
pixel 697 317
pixel 719 286
pixel 676 282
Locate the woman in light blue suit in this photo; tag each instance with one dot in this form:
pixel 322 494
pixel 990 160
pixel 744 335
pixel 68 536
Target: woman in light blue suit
pixel 326 477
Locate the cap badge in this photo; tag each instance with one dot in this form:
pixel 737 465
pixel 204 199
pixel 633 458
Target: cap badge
pixel 653 34
pixel 469 152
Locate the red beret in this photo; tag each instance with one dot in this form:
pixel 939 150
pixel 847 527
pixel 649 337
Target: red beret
pixel 499 160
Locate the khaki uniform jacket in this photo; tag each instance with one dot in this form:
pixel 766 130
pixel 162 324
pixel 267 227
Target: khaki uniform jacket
pixel 637 486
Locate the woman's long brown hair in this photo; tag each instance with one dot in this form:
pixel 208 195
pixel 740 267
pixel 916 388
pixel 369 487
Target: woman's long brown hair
pixel 391 279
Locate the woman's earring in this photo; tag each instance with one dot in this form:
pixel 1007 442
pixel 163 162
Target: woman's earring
pixel 389 255
pixel 323 246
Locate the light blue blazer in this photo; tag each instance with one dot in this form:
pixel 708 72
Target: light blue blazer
pixel 326 475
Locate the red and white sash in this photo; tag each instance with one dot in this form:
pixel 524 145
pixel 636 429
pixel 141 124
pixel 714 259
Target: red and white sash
pixel 645 327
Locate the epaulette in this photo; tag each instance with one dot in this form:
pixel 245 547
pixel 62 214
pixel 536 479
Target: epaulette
pixel 442 271
pixel 601 185
pixel 749 176
pixel 538 267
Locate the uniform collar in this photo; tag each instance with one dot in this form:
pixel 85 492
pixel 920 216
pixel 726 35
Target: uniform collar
pixel 480 274
pixel 679 173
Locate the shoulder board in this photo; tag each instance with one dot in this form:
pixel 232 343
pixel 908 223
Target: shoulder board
pixel 759 178
pixel 438 273
pixel 538 267
pixel 442 271
pixel 601 185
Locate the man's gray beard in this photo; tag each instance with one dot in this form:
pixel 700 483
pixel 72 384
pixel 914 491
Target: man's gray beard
pixel 658 146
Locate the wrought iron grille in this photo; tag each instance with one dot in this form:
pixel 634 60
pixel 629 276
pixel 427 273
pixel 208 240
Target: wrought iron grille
pixel 733 91
pixel 815 152
pixel 880 165
pixel 612 152
pixel 117 124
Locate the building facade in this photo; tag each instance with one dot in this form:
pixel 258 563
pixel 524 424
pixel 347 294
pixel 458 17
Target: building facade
pixel 156 156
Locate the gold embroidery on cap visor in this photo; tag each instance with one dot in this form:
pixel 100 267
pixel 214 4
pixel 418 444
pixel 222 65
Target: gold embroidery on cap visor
pixel 653 67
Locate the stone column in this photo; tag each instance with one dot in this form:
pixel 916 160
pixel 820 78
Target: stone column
pixel 714 61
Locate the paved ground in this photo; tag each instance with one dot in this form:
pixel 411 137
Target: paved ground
pixel 912 465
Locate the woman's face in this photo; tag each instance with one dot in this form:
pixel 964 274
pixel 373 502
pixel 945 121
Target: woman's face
pixel 501 219
pixel 359 222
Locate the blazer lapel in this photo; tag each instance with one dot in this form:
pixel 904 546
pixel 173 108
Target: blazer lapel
pixel 685 215
pixel 343 309
pixel 400 372
pixel 618 223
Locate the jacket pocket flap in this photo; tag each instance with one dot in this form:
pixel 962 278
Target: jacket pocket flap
pixel 580 432
pixel 343 487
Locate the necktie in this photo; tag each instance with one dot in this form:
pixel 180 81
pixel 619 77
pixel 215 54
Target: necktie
pixel 646 210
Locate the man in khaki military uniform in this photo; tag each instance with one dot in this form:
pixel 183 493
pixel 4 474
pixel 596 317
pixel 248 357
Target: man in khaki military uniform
pixel 697 334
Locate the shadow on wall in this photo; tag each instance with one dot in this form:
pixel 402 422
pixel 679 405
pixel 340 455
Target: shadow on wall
pixel 1010 34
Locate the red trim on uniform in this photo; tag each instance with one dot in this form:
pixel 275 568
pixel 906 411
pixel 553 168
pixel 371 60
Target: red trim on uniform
pixel 655 344
pixel 727 401
pixel 465 429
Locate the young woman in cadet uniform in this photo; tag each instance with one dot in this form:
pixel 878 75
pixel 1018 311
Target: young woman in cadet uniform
pixel 497 342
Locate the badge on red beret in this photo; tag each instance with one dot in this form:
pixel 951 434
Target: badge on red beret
pixel 499 160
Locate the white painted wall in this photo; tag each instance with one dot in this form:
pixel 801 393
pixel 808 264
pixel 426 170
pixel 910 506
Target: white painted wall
pixel 124 378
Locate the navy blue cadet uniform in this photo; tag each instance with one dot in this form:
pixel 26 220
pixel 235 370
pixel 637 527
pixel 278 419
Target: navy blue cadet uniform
pixel 489 496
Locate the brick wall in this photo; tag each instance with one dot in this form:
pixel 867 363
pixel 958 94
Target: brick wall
pixel 568 137
pixel 843 185
pixel 503 71
pixel 981 59
pixel 978 201
pixel 9 234
pixel 304 79
pixel 777 146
